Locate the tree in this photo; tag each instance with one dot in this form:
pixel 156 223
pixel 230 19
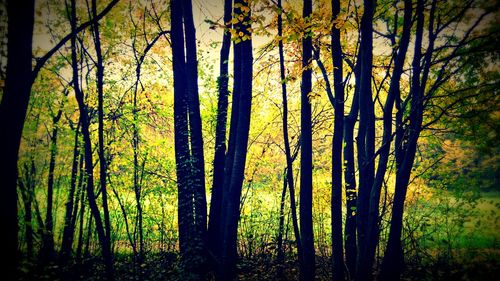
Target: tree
pixel 71 202
pixel 289 179
pixel 238 140
pixel 307 265
pixel 47 252
pixel 103 234
pixel 19 80
pixel 220 137
pixel 12 114
pixel 188 142
pixel 365 141
pixel 103 162
pixel 338 130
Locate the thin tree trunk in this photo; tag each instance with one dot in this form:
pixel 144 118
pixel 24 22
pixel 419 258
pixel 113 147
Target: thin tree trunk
pixel 394 91
pixel 288 153
pixel 350 237
pixel 338 264
pixel 220 133
pixel 27 187
pixel 136 139
pixel 137 186
pixel 108 256
pixel 47 252
pixel 393 262
pixel 235 167
pixel 280 256
pixel 84 121
pixel 69 226
pixel 82 214
pixel 307 265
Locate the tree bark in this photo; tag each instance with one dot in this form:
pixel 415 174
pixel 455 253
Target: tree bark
pixel 84 121
pixel 47 252
pixel 27 187
pixel 220 133
pixel 100 131
pixel 69 222
pixel 288 154
pixel 189 163
pixel 307 266
pixel 195 133
pixel 235 163
pixel 351 248
pixel 338 264
pixel 394 91
pixel 12 114
pixel 79 244
pixel 365 142
pixel 393 262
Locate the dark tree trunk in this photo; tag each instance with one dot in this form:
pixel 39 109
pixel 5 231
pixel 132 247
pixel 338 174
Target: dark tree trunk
pixel 195 134
pixel 365 142
pixel 220 133
pixel 235 168
pixel 27 186
pixel 47 252
pixel 229 159
pixel 84 121
pixel 393 262
pixel 12 114
pixel 71 204
pixel 338 264
pixel 307 265
pixel 280 255
pixel 188 131
pixel 394 91
pixel 28 218
pixel 185 211
pixel 351 248
pixel 79 244
pixel 101 153
pixel 137 185
pixel 288 153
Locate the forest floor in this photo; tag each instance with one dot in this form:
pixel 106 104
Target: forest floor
pixel 480 265
pixel 473 255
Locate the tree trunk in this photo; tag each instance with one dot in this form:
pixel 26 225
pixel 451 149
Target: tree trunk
pixel 220 133
pixel 181 130
pixel 307 266
pixel 394 91
pixel 365 142
pixel 280 255
pixel 189 163
pixel 84 121
pixel 288 153
pixel 338 264
pixel 196 137
pixel 393 262
pixel 47 252
pixel 79 244
pixel 101 153
pixel 235 167
pixel 12 114
pixel 27 187
pixel 351 248
pixel 69 226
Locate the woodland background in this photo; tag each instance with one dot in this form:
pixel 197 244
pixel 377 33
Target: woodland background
pixel 403 112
